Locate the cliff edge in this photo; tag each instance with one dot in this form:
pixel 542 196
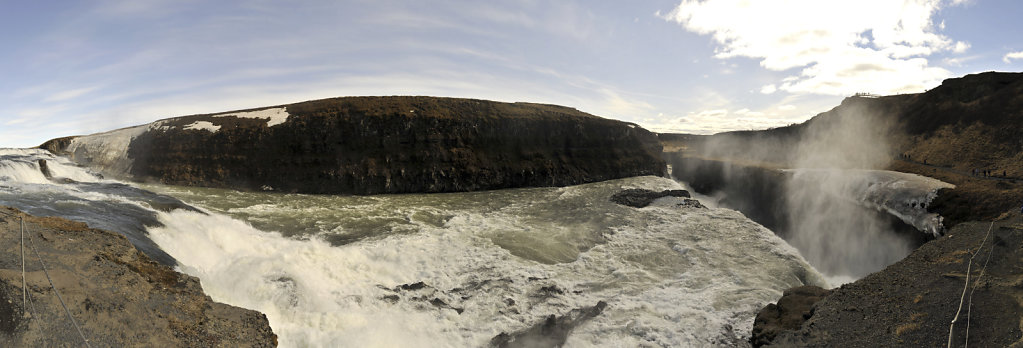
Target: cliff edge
pixel 116 295
pixel 374 145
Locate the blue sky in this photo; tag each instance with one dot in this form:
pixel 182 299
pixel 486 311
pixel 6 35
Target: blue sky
pixel 81 67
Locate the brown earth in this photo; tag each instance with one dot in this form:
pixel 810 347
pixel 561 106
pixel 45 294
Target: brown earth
pixel 115 294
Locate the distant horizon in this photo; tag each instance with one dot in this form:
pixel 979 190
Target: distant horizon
pixel 671 66
pixel 859 94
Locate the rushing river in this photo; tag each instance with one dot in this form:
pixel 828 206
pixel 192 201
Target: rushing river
pixel 441 270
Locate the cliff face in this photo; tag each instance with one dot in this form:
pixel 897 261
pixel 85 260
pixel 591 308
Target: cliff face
pixel 966 124
pixel 373 145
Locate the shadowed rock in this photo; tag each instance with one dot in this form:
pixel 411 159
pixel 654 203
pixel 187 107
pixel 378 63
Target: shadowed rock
pixel 552 332
pixel 639 198
pixel 794 308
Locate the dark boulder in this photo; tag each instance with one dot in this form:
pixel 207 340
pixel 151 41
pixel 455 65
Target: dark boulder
pixel 639 198
pixel 552 332
pixel 794 308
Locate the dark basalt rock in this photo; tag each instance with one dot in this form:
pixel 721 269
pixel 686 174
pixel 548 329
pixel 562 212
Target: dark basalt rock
pixel 376 145
pixel 912 302
pixel 794 308
pixel 552 332
pixel 639 198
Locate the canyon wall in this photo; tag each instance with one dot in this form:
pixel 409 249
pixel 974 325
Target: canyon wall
pixel 375 145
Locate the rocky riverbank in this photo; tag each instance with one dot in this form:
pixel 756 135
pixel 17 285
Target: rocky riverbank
pixel 912 302
pixel 116 295
pixel 375 145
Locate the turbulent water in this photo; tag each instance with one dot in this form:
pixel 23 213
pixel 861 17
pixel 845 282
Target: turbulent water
pixel 346 270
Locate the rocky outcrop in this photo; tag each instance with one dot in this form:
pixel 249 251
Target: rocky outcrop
pixel 373 145
pixel 912 302
pixel 116 295
pixel 793 309
pixel 639 198
pixel 552 332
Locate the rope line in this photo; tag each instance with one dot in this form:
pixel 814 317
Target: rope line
pixel 32 244
pixel 24 284
pixel 976 284
pixel 966 286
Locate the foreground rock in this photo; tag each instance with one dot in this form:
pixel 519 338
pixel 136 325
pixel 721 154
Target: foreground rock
pixel 374 145
pixel 792 310
pixel 115 294
pixel 912 302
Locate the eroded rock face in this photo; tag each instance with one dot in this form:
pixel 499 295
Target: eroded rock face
pixel 374 145
pixel 116 295
pixel 794 308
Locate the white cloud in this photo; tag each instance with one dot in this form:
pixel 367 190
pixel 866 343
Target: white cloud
pixel 839 47
pixel 769 89
pixel 1012 55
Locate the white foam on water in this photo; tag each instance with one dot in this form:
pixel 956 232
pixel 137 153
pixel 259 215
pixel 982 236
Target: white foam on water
pixel 671 277
pixel 22 166
pixel 273 116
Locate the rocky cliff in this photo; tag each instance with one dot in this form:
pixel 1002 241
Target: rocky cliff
pixel 374 145
pixel 966 124
pixel 115 296
pixel 965 132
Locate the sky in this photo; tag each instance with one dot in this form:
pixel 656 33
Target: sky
pixel 691 66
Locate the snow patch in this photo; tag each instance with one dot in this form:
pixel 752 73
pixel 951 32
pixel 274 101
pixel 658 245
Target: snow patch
pixel 274 116
pixel 203 125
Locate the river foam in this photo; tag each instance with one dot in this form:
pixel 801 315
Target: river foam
pixel 441 270
pixel 670 276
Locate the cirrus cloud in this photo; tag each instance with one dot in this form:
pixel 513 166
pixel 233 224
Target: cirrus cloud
pixel 837 47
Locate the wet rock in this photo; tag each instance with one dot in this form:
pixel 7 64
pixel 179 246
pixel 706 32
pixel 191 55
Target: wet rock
pixel 45 168
pixel 551 290
pixel 553 331
pixel 412 287
pixel 639 198
pixel 436 302
pixel 794 308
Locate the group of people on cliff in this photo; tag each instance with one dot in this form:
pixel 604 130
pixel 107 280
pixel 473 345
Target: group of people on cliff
pixel 988 173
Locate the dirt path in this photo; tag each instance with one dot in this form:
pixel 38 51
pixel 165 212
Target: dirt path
pixel 963 172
